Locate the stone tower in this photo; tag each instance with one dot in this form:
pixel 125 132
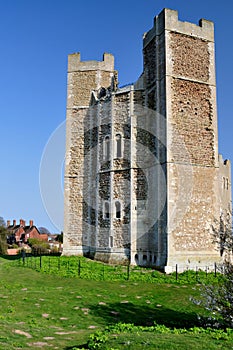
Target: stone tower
pixel 84 78
pixel 144 182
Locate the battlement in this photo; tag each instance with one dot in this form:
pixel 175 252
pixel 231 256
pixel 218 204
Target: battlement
pixel 168 20
pixel 75 63
pixel 224 162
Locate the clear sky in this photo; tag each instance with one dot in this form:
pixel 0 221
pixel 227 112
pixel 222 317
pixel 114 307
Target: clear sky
pixel 35 38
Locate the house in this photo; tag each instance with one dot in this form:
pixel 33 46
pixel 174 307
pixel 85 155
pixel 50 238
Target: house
pixel 20 233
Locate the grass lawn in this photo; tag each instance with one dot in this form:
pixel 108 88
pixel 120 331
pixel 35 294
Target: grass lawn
pixel 45 311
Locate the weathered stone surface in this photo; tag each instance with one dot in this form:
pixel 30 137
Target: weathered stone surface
pixel 192 117
pixel 143 179
pixel 190 57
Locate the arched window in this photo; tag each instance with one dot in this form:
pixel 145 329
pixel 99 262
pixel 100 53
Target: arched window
pixel 118 146
pixel 106 210
pixel 107 148
pixel 118 209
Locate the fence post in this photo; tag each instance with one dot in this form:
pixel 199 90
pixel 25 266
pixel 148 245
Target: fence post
pixel 79 267
pixel 23 256
pixel 128 267
pixel 215 269
pixel 176 272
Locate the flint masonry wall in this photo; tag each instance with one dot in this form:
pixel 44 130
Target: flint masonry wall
pixel 83 79
pixel 193 121
pixel 180 65
pixel 150 149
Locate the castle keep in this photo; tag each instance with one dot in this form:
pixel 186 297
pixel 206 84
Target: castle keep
pixel 144 182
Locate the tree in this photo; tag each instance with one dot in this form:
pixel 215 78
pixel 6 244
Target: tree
pixel 218 298
pixel 59 238
pixel 2 222
pixel 3 240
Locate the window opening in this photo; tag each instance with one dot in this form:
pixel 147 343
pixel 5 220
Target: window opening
pixel 118 209
pixel 106 210
pixel 107 147
pixel 118 146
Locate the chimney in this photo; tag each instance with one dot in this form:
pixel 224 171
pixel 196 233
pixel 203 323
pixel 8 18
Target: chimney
pixel 8 223
pixel 14 222
pixel 31 223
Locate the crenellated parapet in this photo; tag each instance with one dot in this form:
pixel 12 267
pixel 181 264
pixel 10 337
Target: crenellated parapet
pixel 168 20
pixel 75 63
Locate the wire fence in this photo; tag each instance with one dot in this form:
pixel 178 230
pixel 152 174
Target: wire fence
pixel 88 269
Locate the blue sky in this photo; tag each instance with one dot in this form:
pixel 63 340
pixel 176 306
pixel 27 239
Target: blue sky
pixel 35 39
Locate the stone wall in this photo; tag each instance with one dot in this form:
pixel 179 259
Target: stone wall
pixel 84 80
pixel 179 80
pixel 190 57
pixel 192 118
pixel 149 149
pixel 192 139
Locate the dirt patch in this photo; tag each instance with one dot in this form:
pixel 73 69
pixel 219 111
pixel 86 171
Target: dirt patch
pixel 39 344
pixel 18 331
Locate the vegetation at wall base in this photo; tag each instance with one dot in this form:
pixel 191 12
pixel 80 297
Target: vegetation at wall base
pixel 84 268
pixel 217 298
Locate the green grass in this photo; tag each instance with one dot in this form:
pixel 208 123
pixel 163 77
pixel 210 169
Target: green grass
pixel 142 341
pixel 75 266
pixel 39 310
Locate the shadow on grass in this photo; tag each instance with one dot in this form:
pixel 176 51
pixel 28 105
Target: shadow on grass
pixel 141 316
pixel 10 257
pixel 144 315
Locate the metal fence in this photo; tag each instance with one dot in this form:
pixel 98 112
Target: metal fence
pixel 89 269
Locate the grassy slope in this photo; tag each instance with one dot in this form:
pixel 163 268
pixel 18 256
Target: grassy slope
pixel 59 313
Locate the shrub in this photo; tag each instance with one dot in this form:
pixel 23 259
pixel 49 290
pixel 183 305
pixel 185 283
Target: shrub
pixel 38 246
pixel 217 298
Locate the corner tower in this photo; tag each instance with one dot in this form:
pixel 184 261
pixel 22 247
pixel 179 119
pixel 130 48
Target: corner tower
pixel 179 81
pixel 86 79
